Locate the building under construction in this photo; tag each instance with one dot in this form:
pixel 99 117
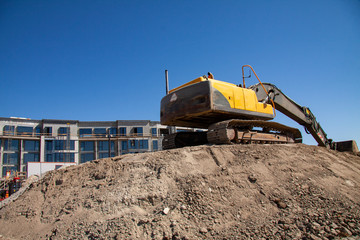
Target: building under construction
pixel 37 146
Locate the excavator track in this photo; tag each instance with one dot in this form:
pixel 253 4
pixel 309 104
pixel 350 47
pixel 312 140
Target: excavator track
pixel 235 132
pixel 252 131
pixel 183 139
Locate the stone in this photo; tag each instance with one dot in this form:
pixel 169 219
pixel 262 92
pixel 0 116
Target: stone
pixel 313 237
pixel 280 203
pixel 203 230
pixel 166 210
pixel 344 232
pixel 333 225
pixel 252 178
pixel 334 232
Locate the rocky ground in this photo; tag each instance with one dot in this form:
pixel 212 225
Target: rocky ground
pixel 204 192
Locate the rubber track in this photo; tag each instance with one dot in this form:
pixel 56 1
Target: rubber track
pixel 169 141
pixel 217 133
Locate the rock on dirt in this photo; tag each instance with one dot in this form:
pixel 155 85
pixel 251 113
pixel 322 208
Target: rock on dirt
pixel 204 192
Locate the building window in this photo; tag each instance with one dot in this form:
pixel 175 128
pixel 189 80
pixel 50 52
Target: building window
pixel 63 131
pixel 9 130
pixel 138 131
pixel 31 145
pixel 124 145
pixel 10 159
pixel 105 155
pixel 85 132
pixel 100 132
pixel 48 131
pixel 64 145
pixel 59 145
pixel 154 131
pixel 64 157
pixel 24 131
pixel 37 131
pixel 133 144
pixel 86 157
pixel 86 146
pixel 143 144
pixel 122 131
pixel 155 145
pixel 49 157
pixel 112 131
pixel 11 145
pixel 103 149
pixel 49 145
pixel 60 157
pixel 104 146
pixel 31 157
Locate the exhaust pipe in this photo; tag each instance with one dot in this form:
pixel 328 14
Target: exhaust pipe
pixel 167 82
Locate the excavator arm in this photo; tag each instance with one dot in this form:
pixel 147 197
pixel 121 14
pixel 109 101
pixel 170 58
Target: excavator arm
pixel 269 93
pixel 291 109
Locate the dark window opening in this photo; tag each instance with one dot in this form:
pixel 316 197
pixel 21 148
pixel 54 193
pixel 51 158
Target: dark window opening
pixel 112 132
pixel 31 145
pixel 138 131
pixel 63 131
pixel 85 132
pixel 48 131
pixel 122 131
pixel 9 130
pixel 87 146
pixel 11 145
pixel 24 131
pixel 100 132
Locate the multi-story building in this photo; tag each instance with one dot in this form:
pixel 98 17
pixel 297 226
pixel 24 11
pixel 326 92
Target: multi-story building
pixel 48 144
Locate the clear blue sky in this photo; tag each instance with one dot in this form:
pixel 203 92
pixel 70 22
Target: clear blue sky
pixel 105 60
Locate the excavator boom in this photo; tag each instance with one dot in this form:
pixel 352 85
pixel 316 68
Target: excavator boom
pixel 291 109
pixel 268 92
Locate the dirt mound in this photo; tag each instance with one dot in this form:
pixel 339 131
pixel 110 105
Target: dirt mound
pixel 227 192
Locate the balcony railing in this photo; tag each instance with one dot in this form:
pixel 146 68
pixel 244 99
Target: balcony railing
pixel 85 135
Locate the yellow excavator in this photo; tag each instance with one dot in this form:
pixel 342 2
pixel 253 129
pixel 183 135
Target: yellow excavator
pixel 228 113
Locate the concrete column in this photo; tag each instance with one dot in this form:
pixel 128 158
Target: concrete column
pixel 96 148
pixel 20 154
pixel 1 156
pixel 77 152
pixel 42 148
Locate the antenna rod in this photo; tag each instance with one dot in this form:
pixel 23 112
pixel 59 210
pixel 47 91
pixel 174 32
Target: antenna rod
pixel 167 82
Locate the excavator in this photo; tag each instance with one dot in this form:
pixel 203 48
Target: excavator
pixel 225 113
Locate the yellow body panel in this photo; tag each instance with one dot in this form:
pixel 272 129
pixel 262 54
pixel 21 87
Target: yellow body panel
pixel 199 79
pixel 238 97
pixel 241 98
pixel 226 89
pixel 265 108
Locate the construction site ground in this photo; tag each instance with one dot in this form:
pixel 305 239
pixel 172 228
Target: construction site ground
pixel 265 191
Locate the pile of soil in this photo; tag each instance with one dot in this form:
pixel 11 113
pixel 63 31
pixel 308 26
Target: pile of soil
pixel 204 192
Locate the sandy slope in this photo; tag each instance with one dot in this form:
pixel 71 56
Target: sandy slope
pixel 212 192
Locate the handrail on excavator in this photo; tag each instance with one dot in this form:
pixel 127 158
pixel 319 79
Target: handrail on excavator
pixel 243 75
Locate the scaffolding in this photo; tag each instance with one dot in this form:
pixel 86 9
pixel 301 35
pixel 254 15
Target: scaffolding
pixel 11 183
